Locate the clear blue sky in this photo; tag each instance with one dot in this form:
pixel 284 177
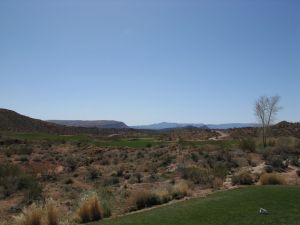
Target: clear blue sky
pixel 145 61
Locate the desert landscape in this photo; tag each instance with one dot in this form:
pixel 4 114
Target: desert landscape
pixel 128 170
pixel 149 112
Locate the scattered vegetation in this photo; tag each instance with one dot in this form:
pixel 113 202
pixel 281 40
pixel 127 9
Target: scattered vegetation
pixel 162 166
pixel 13 179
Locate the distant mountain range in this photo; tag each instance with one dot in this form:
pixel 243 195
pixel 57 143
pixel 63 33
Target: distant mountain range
pixel 102 124
pixel 166 125
pixel 12 121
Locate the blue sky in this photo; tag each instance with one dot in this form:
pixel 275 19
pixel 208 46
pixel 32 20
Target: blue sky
pixel 149 61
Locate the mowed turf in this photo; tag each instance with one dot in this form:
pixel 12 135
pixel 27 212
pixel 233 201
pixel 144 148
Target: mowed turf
pixel 235 207
pixel 86 139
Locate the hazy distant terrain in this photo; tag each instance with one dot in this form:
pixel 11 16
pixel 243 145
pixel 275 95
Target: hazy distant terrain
pixel 91 123
pixel 166 125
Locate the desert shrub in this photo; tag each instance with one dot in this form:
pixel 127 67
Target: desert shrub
pixel 180 190
pixel 90 209
pixel 32 215
pixel 217 183
pixel 23 158
pixel 13 179
pixel 143 199
pixel 127 176
pixel 123 155
pixel 153 178
pixel 104 162
pixel 196 175
pixel 167 160
pixel 138 177
pixel 19 150
pixel 111 181
pixel 149 145
pixel 220 170
pixel 33 192
pixel 277 162
pixel 71 163
pixel 248 145
pixel 93 173
pixel 69 181
pixel 140 155
pixel 120 171
pixel 271 142
pixel 295 162
pixel 106 209
pixel 195 157
pixel 271 179
pixel 244 178
pixel 269 169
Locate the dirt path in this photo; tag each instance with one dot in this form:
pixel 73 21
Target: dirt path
pixel 222 135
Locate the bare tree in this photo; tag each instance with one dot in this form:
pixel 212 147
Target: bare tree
pixel 266 108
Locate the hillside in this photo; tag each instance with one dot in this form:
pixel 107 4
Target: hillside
pixel 14 122
pixel 282 128
pixel 103 124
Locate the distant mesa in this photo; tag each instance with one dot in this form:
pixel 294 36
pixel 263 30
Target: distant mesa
pixel 102 124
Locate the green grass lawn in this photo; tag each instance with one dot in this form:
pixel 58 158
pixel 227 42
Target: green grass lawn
pixel 86 139
pixel 235 207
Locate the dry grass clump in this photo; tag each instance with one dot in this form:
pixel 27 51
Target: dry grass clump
pixel 143 199
pixel 244 178
pixel 46 214
pixel 217 183
pixel 271 179
pixel 33 215
pixel 52 213
pixel 163 195
pixel 180 190
pixel 90 209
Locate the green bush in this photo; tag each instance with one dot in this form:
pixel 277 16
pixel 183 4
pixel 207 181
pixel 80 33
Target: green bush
pixel 220 170
pixel 248 145
pixel 13 179
pixel 197 175
pixel 111 181
pixel 106 209
pixel 195 157
pixel 71 163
